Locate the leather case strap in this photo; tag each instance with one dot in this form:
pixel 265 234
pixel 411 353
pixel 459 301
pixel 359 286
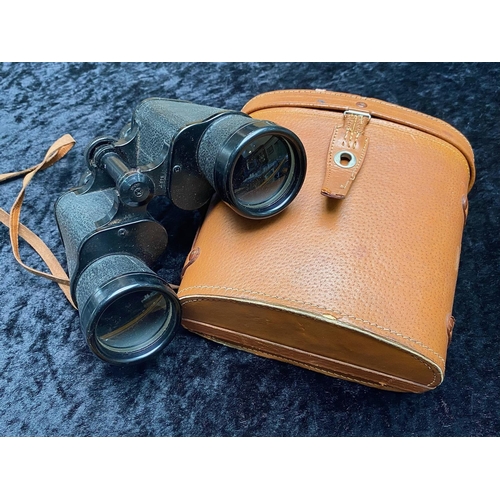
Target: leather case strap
pixel 347 152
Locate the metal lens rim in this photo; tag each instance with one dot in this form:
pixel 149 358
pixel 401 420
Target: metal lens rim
pixel 116 288
pixel 230 153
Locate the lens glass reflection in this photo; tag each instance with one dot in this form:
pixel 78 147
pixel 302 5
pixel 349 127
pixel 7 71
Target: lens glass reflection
pixel 133 321
pixel 261 172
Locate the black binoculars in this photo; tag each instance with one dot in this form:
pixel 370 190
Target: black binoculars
pixel 172 148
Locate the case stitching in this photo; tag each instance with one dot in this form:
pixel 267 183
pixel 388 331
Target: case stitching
pixel 319 307
pixel 433 372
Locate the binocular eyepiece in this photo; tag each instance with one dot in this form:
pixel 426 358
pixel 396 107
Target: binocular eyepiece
pixel 188 153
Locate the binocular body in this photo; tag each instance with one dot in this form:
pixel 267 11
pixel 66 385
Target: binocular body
pixel 186 152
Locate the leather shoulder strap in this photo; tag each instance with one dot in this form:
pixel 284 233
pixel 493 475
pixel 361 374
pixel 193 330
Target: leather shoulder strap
pixel 16 229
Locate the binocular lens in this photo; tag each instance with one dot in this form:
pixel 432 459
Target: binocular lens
pixel 127 312
pixel 257 167
pixel 133 322
pixel 261 172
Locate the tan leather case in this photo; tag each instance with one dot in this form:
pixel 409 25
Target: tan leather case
pixel 356 278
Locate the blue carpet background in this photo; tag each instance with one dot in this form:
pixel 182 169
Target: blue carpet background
pixel 51 384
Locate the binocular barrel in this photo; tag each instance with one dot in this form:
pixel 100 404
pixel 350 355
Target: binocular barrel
pixel 127 312
pixel 186 152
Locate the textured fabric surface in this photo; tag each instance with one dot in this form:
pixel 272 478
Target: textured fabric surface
pixel 52 385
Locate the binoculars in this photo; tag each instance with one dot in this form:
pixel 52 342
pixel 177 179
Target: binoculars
pixel 188 153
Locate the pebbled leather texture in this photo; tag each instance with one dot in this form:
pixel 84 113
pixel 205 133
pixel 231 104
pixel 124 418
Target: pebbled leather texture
pixel 359 287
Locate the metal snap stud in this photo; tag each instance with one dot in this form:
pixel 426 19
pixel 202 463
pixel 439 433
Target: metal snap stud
pixel 345 159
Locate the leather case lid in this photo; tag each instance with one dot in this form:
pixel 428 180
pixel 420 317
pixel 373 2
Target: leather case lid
pixel 322 99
